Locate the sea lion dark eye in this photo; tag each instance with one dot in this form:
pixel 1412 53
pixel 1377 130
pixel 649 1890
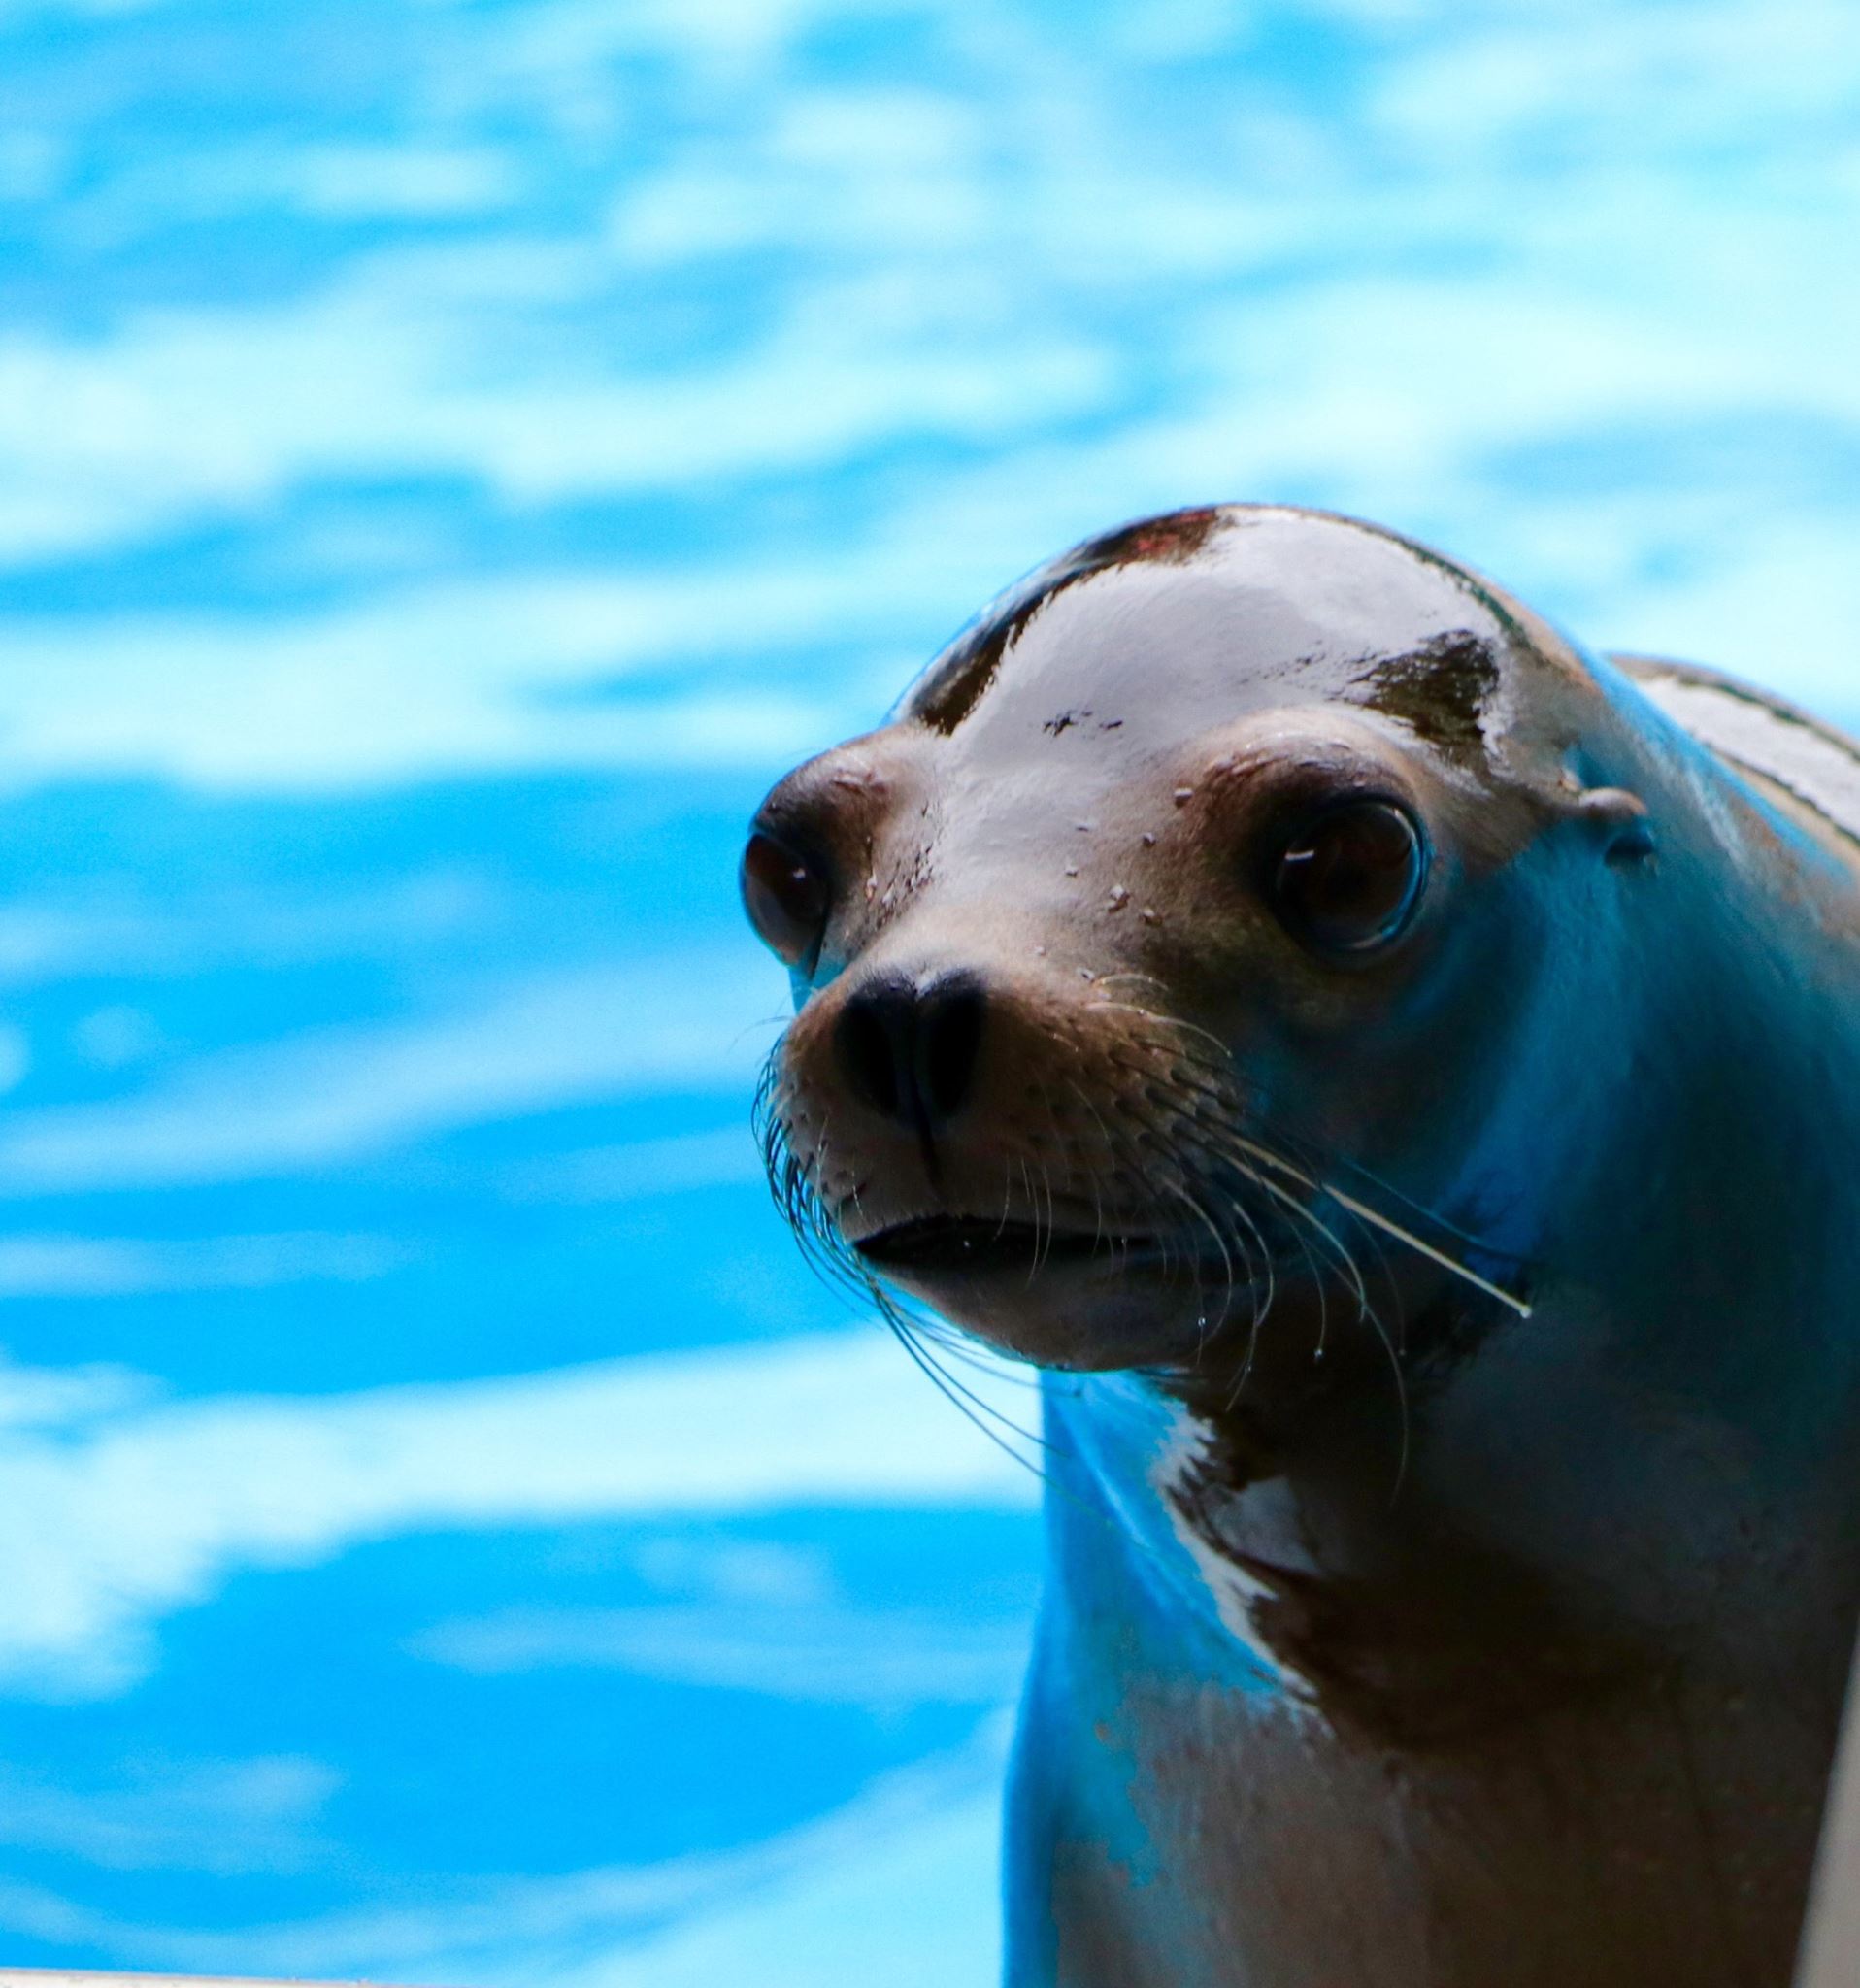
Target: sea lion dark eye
pixel 1349 881
pixel 787 896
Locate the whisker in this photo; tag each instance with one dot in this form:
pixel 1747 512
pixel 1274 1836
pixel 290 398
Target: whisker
pixel 1111 1150
pixel 1207 1220
pixel 1175 1027
pixel 1377 1220
pixel 965 1398
pixel 1033 1212
pixel 1467 1275
pixel 963 1402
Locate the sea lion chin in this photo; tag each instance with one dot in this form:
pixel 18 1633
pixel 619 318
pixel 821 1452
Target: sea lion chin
pixel 1397 1073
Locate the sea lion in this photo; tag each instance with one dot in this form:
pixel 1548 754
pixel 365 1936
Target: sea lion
pixel 1398 1075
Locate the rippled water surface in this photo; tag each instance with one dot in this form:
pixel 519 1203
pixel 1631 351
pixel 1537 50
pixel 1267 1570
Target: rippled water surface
pixel 451 456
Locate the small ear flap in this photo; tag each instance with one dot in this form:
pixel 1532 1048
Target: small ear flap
pixel 1621 818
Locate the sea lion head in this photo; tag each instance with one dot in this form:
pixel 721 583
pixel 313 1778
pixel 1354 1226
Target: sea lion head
pixel 1163 963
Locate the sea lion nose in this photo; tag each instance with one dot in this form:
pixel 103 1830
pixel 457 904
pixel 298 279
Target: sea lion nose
pixel 909 1045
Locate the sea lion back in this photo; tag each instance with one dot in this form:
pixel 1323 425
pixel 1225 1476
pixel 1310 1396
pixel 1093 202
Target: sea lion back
pixel 1799 761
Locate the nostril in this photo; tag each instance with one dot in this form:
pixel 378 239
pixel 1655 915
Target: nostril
pixel 865 1038
pixel 950 1015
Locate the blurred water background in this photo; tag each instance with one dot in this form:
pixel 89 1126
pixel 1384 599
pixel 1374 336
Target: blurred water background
pixel 451 457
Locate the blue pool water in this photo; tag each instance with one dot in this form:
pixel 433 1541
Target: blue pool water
pixel 451 457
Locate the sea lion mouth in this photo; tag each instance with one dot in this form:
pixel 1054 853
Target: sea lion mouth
pixel 1070 1294
pixel 930 1247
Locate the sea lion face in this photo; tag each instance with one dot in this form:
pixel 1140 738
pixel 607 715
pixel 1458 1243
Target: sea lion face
pixel 1162 951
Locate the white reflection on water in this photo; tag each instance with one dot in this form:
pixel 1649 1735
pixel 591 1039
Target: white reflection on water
pixel 109 1525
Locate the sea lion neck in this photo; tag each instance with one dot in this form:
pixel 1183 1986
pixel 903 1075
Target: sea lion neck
pixel 1516 1518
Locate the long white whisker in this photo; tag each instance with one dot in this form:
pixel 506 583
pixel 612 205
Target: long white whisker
pixel 1375 1221
pixel 1363 1213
